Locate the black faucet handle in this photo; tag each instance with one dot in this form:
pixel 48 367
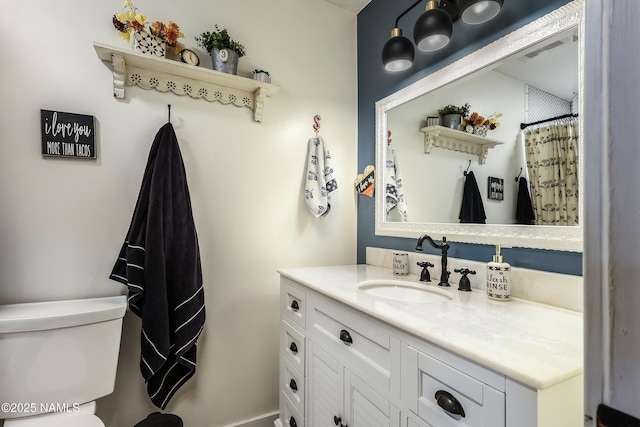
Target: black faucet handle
pixel 425 276
pixel 465 284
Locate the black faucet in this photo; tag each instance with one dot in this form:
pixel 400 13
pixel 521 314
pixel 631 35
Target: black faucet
pixel 444 247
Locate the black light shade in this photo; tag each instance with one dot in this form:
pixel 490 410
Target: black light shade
pixel 397 53
pixel 433 28
pixel 479 11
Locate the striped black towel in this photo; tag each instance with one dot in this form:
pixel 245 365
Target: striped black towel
pixel 160 264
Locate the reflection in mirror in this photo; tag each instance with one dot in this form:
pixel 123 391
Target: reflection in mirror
pixel 526 181
pixel 535 84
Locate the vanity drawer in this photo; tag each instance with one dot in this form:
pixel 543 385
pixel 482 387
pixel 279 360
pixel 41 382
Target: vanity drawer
pixel 355 341
pixel 292 346
pixel 289 416
pixel 292 384
pixel 293 303
pixel 433 380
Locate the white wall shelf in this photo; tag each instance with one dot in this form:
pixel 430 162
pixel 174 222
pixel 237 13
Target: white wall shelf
pixel 134 69
pixel 451 139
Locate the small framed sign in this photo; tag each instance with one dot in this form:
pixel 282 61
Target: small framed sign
pixel 496 188
pixel 67 135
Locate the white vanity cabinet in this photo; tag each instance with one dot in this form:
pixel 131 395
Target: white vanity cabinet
pixel 342 366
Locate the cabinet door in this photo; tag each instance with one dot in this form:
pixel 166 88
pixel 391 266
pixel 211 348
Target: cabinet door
pixel 367 408
pixel 325 388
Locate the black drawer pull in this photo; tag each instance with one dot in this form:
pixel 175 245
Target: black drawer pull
pixel 292 385
pixel 295 306
pixel 345 337
pixel 449 403
pixel 293 347
pixel 292 422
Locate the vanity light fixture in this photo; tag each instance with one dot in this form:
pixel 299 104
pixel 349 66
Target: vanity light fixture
pixel 433 29
pixel 478 11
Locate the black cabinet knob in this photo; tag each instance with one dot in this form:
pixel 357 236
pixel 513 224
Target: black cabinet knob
pixel 449 403
pixel 345 337
pixel 292 385
pixel 293 347
pixel 295 306
pixel 292 422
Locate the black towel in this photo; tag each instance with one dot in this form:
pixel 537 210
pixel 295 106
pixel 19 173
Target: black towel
pixel 160 263
pixel 524 207
pixel 472 209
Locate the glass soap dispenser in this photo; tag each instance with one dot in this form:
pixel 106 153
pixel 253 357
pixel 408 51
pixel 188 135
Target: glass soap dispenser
pixel 498 278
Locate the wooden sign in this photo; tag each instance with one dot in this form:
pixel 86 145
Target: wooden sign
pixel 67 135
pixel 365 181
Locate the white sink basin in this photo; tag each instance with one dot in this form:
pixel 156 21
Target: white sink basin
pixel 398 290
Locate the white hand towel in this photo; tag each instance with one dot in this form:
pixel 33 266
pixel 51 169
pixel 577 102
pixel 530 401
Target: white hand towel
pixel 320 179
pixel 394 188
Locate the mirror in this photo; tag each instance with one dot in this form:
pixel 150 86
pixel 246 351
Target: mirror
pixel 509 76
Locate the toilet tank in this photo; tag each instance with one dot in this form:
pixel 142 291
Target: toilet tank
pixel 58 353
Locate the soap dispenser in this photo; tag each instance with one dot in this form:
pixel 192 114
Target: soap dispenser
pixel 498 278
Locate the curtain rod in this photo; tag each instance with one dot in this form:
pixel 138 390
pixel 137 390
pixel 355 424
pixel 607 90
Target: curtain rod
pixel 564 116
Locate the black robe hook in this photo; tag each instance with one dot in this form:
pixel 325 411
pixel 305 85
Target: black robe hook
pixel 169 113
pixel 518 177
pixel 467 171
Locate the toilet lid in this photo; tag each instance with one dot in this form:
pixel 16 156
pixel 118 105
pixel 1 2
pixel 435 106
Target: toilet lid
pixel 76 420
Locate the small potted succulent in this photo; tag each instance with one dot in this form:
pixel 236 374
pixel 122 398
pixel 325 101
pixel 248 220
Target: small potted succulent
pixel 262 76
pixel 224 51
pixel 452 115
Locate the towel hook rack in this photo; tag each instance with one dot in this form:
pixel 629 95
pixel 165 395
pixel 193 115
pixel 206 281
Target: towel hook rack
pixel 518 177
pixel 467 171
pixel 316 124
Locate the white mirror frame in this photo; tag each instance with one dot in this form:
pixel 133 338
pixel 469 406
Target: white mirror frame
pixel 530 236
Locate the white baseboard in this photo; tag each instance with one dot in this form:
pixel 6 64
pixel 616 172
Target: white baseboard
pixel 265 420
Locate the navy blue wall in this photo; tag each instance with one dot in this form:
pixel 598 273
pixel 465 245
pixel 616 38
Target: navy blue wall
pixel 375 23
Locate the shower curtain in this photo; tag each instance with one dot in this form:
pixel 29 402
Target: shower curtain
pixel 552 161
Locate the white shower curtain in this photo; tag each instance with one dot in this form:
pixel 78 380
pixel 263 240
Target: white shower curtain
pixel 552 162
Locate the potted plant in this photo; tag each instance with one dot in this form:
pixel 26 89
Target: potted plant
pixel 262 76
pixel 452 115
pixel 224 51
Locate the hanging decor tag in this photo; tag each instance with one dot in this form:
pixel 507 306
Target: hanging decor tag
pixel 67 135
pixel 365 182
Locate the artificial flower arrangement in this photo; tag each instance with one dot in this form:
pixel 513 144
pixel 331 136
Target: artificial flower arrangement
pixel 130 19
pixel 477 120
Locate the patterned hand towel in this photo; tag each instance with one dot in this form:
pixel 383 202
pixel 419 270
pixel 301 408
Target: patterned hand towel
pixel 394 189
pixel 320 180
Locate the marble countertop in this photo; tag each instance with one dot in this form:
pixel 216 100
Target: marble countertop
pixel 535 344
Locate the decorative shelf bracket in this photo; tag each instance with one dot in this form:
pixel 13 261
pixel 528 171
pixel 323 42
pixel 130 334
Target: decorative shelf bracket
pixel 451 139
pixel 134 69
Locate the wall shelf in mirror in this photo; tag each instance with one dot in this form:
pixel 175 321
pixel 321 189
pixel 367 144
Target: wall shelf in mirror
pixel 451 139
pixel 134 69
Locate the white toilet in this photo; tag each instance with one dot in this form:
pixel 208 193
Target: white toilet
pixel 56 359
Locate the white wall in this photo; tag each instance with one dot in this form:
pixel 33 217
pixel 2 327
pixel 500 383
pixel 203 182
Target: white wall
pixel 63 221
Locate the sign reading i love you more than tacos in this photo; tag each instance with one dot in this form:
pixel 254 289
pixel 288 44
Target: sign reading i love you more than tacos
pixel 67 135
